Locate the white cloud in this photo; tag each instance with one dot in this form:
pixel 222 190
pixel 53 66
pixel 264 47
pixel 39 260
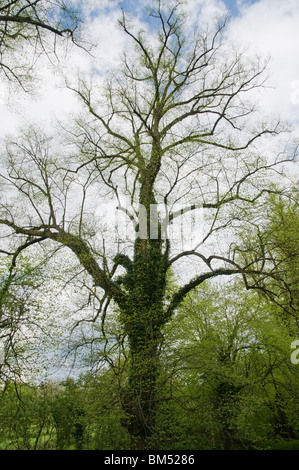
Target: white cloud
pixel 8 121
pixel 208 10
pixel 270 28
pixel 109 38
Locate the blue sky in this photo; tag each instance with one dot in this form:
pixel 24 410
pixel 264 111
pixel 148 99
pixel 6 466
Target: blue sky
pixel 234 5
pixel 130 5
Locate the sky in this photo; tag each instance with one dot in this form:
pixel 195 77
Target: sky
pixel 234 6
pixel 267 27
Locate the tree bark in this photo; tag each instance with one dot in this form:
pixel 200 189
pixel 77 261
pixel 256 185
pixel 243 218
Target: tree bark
pixel 142 319
pixel 139 398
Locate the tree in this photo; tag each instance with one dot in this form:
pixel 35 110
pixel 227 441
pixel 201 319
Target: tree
pixel 173 126
pixel 226 358
pixel 30 21
pixel 281 237
pixel 30 284
pixel 26 422
pixel 276 243
pixel 16 287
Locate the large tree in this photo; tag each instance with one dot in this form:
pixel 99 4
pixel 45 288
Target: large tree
pixel 174 131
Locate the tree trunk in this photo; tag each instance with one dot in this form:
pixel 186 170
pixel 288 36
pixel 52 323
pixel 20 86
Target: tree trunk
pixel 142 318
pixel 227 409
pixel 139 400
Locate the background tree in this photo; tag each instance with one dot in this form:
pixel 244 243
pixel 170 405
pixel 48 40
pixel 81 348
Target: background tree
pixel 31 284
pixel 173 126
pixel 18 280
pixel 227 370
pixel 26 421
pixel 31 21
pixel 282 240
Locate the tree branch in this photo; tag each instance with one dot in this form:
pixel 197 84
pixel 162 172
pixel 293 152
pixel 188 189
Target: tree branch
pixel 179 296
pixel 33 22
pixel 79 248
